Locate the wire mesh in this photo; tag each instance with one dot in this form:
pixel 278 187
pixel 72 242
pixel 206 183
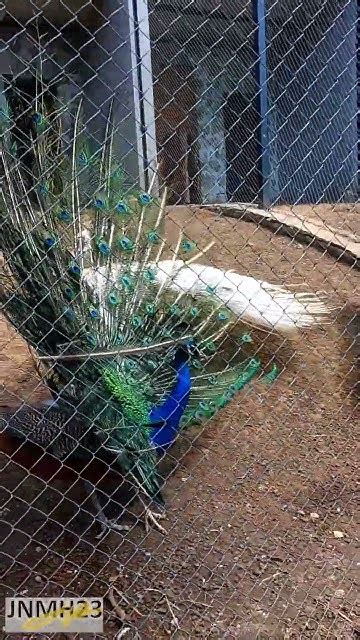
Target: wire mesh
pixel 247 112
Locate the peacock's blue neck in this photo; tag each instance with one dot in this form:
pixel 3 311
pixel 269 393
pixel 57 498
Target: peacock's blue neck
pixel 166 417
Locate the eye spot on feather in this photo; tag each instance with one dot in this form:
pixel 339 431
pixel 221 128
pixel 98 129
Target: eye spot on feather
pixel 149 275
pixel 152 365
pixel 38 119
pixel 197 364
pixel 210 346
pixel 49 242
pixel 188 245
pixel 74 268
pixel 211 290
pixel 246 338
pixel 137 322
pixel 223 316
pixel 127 282
pixel 126 244
pixel 103 247
pixel 91 339
pixel 69 313
pixel 150 309
pixel 153 237
pixel 64 216
pixel 122 208
pixel 145 199
pixel 82 159
pixel 94 313
pixel 194 312
pixel 113 299
pixel 99 202
pixel 204 406
pixel 70 294
pixel 43 189
pixel 175 310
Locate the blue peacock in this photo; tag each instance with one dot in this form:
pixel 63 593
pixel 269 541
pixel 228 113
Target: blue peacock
pixel 128 353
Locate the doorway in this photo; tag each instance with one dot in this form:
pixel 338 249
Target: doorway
pixel 242 130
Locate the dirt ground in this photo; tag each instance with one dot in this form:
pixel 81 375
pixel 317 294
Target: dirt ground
pixel 262 522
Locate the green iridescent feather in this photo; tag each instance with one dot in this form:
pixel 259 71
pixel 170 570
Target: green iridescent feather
pixel 82 276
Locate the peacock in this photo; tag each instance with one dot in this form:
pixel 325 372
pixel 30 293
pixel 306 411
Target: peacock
pixel 134 348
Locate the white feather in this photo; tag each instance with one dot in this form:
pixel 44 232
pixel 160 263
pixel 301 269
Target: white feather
pixel 254 301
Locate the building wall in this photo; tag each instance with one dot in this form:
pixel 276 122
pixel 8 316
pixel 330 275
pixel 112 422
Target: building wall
pixel 95 59
pixel 176 121
pixel 313 96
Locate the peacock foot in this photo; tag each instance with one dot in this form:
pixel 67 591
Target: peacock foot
pixel 106 523
pixel 110 525
pixel 152 520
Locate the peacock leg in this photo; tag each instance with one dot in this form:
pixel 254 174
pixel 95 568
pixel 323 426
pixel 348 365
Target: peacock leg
pixel 105 523
pixel 152 519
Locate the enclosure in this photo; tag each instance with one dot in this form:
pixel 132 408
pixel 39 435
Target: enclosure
pixel 248 113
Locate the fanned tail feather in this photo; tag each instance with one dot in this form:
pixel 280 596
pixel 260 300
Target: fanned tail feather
pixel 263 305
pixel 86 286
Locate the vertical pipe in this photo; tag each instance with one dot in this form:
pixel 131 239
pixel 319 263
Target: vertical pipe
pixel 261 76
pixel 143 90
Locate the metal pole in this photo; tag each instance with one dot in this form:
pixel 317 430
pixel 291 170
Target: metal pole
pixel 261 72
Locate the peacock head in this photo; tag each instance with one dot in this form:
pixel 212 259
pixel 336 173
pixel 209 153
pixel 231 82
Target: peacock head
pixel 188 350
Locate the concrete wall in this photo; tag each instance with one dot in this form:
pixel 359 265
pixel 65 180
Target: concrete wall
pixel 101 65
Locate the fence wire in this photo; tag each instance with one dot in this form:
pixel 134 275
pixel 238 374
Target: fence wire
pixel 247 112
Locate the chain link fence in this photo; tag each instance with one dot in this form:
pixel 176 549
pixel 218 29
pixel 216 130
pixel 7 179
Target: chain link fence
pixel 248 113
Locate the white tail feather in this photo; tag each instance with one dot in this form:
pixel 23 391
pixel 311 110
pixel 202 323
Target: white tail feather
pixel 254 301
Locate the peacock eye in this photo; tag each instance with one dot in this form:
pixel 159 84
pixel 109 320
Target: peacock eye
pixel 49 242
pixel 246 338
pixel 145 198
pixel 126 244
pixel 69 313
pixel 82 159
pixel 103 247
pixel 150 309
pixel 153 237
pixel 137 322
pixel 127 282
pixel 99 202
pixel 211 290
pixel 188 245
pixel 93 313
pixel 204 406
pixel 113 299
pixel 64 216
pixel 69 293
pixel 149 275
pixel 91 339
pixel 74 268
pixel 223 316
pixel 122 208
pixel 194 312
pixel 210 346
pixel 175 310
pixel 43 189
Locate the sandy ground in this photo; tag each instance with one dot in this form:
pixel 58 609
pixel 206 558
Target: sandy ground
pixel 262 526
